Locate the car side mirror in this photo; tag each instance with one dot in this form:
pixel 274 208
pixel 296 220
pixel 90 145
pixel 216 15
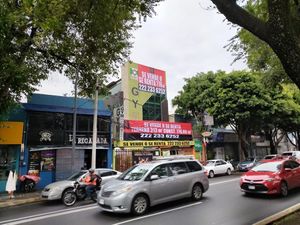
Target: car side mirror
pixel 287 169
pixel 154 177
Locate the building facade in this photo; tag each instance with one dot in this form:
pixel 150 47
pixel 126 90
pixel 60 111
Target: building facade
pixel 48 134
pixel 140 118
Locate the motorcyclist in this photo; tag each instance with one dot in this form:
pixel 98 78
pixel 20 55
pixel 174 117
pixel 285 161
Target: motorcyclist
pixel 92 181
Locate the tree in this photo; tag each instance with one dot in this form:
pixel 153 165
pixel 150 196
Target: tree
pixel 190 102
pixel 36 37
pixel 289 120
pixel 237 99
pixel 277 23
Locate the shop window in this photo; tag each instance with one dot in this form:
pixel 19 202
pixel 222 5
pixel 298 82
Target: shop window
pixel 83 123
pixel 8 161
pixel 69 122
pixel 103 125
pixel 59 121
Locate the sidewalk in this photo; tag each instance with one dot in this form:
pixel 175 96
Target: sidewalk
pixel 20 199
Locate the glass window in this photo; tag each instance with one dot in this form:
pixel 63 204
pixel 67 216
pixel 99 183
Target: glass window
pixel 152 108
pixel 107 173
pixel 194 166
pixel 294 164
pixel 136 172
pixel 178 168
pixel 59 121
pixel 268 167
pixel 83 123
pixel 103 124
pixel 162 171
pixel 8 161
pixel 69 121
pixel 77 175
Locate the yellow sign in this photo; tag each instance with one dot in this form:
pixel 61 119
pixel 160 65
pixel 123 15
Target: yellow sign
pixel 11 133
pixel 153 143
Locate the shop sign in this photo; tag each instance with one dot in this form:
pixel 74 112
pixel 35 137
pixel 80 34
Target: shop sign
pixel 85 140
pixel 153 143
pixel 45 136
pixel 151 80
pixel 11 133
pixel 156 130
pixel 198 145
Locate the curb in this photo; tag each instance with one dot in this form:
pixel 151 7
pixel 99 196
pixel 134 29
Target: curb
pixel 18 202
pixel 279 215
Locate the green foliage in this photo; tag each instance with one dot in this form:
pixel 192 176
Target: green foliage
pixel 258 54
pixel 239 99
pixel 38 36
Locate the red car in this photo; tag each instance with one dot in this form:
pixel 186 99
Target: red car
pixel 276 176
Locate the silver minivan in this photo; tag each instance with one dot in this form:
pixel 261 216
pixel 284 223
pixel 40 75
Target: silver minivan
pixel 152 183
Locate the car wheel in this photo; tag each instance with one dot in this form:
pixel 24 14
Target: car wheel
pixel 211 174
pixel 197 192
pixel 69 198
pixel 28 185
pixel 140 204
pixel 284 191
pixel 228 171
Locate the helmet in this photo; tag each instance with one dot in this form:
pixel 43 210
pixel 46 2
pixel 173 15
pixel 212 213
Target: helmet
pixel 91 170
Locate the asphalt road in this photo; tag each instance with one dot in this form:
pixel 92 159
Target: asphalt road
pixel 223 204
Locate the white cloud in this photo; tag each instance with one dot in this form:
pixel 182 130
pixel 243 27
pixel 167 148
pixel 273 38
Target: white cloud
pixel 184 38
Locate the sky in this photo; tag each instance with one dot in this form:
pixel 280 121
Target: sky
pixel 183 39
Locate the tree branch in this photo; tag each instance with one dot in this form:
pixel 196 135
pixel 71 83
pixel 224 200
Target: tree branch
pixel 237 15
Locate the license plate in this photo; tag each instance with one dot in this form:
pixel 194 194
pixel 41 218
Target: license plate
pixel 251 187
pixel 101 201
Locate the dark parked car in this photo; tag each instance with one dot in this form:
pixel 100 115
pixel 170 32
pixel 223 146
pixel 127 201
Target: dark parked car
pixel 246 164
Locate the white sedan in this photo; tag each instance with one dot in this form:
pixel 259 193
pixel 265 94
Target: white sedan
pixel 56 190
pixel 218 166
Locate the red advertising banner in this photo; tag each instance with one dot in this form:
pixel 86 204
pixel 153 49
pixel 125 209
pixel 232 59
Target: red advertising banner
pixel 151 80
pixel 147 129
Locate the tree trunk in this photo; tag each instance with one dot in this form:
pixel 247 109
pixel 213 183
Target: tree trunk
pixel 243 154
pixel 272 145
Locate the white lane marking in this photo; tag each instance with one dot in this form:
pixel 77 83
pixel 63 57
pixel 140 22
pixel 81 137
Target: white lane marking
pixel 159 213
pixel 41 216
pixel 222 182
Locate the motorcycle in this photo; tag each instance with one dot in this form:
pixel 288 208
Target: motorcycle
pixel 78 193
pixel 28 182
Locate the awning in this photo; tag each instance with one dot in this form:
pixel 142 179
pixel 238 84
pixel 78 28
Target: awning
pixel 63 109
pixel 65 147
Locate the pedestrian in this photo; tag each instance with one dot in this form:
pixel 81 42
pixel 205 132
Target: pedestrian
pixel 11 184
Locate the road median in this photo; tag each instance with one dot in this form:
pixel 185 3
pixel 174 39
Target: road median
pixel 279 215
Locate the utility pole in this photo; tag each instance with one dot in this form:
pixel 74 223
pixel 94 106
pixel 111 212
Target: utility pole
pixel 95 127
pixel 74 120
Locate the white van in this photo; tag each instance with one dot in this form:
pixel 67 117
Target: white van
pixel 295 154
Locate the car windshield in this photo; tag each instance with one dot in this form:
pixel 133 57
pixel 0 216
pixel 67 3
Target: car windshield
pixel 247 162
pixel 210 163
pixel 268 167
pixel 287 154
pixel 269 157
pixel 75 176
pixel 135 173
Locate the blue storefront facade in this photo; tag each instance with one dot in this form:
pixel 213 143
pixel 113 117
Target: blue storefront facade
pixel 48 135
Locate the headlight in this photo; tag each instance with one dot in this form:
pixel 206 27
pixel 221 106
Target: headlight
pixel 270 179
pixel 122 191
